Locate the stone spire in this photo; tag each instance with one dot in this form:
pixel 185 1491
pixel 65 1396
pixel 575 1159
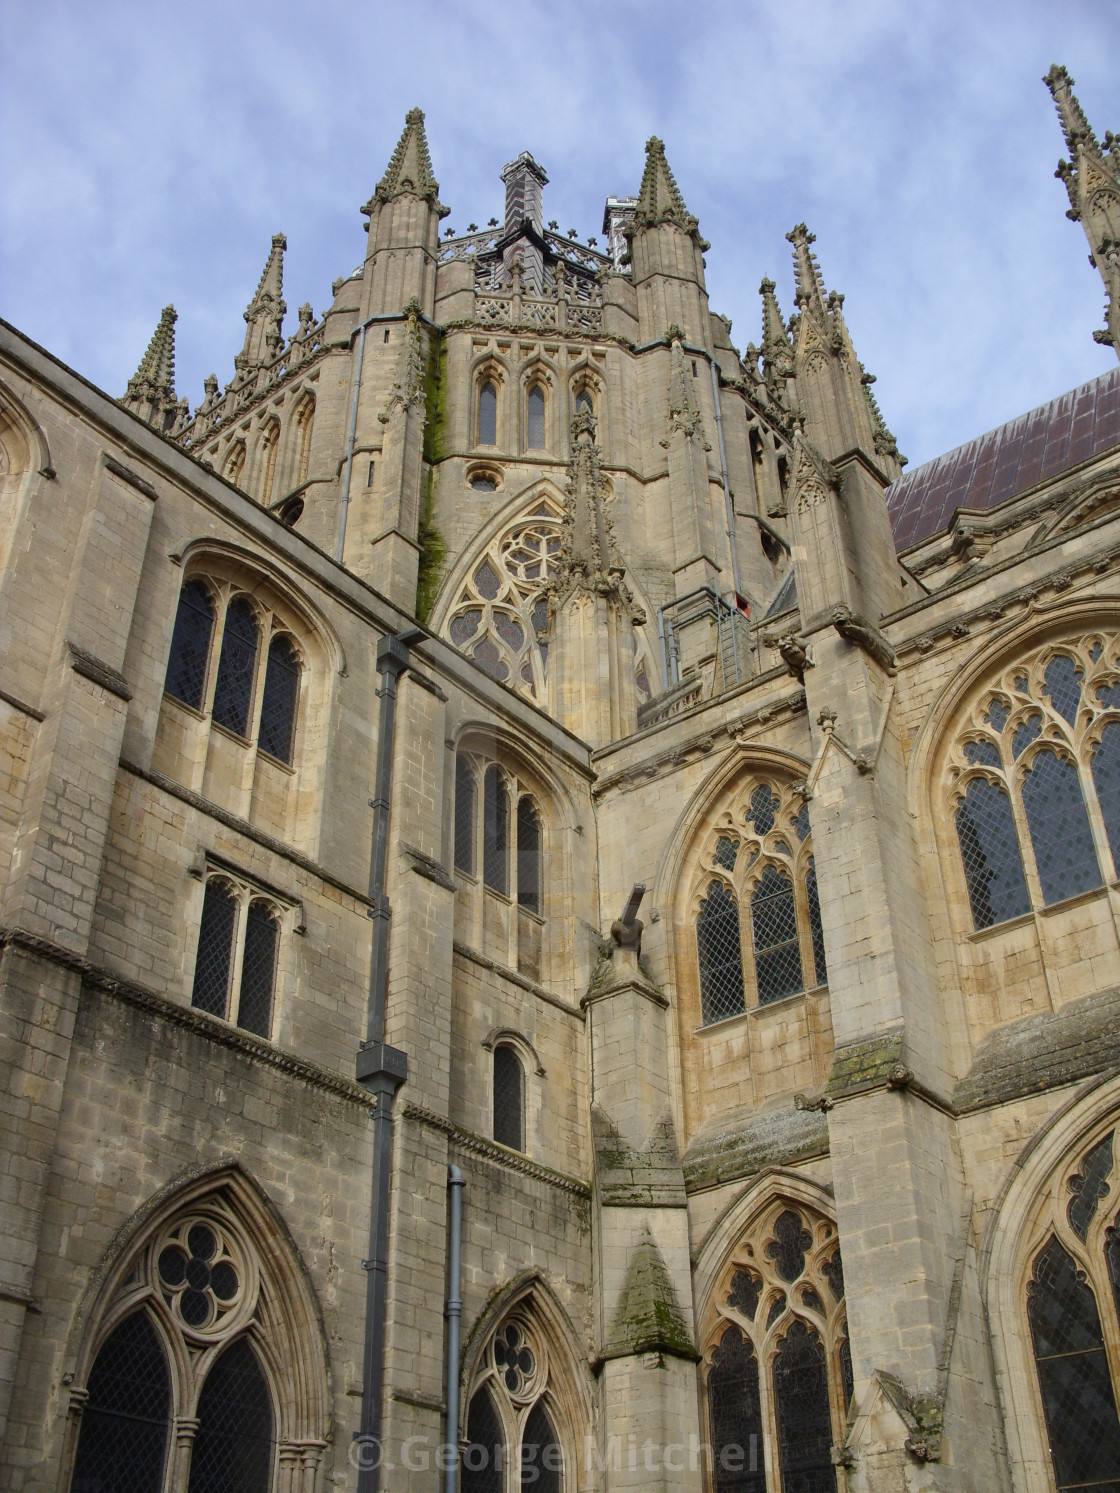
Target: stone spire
pixel 659 197
pixel 806 271
pixel 1092 180
pixel 777 354
pixel 264 315
pixel 410 167
pixel 667 256
pixel 151 389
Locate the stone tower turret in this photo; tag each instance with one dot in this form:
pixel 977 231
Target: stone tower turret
pixel 667 256
pixel 1092 179
pixel 404 214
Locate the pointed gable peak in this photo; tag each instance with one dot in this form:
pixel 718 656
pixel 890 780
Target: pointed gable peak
pixel 806 270
pixel 659 198
pixel 410 166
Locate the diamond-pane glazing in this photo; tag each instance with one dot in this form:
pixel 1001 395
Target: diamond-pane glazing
pixel 215 949
pixel 735 1417
pixel 281 696
pixel 764 805
pixel 1073 1373
pixel 993 867
pixel 483 1460
pixel 495 831
pixel 1105 765
pixel 1089 1184
pixel 123 1439
pixel 803 1414
pixel 190 645
pixel 777 954
pixel 816 927
pixel 258 970
pixel 986 753
pixel 232 1451
pixel 1059 826
pixel 464 815
pixel 509 1105
pixel 541 1460
pixel 719 954
pixel 1063 685
pixel 528 855
pixel 727 851
pixel 237 665
pixel 1026 732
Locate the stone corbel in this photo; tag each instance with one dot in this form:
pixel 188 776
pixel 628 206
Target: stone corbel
pixel 857 630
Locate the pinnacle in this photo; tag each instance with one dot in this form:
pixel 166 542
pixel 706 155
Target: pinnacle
pixel 272 276
pixel 773 327
pixel 659 198
pixel 410 166
pixel 157 367
pixel 807 272
pixel 1075 126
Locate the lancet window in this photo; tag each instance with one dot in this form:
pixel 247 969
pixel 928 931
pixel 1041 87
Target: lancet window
pixel 500 618
pixel 757 917
pixel 1072 1309
pixel 509 1098
pixel 777 1365
pixel 1035 781
pixel 536 408
pixel 238 950
pixel 488 413
pixel 512 1419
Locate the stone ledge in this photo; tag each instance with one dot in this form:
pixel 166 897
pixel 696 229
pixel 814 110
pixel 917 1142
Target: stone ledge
pixel 469 1140
pixel 776 1139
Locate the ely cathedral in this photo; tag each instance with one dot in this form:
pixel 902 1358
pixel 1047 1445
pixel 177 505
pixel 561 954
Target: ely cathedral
pixel 562 923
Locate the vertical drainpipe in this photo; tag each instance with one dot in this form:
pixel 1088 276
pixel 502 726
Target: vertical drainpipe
pixel 350 442
pixel 380 1069
pixel 726 485
pixel 454 1312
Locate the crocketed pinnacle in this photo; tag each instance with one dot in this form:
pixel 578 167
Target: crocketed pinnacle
pixel 271 282
pixel 806 270
pixel 659 199
pixel 156 373
pixel 264 315
pixel 410 166
pixel 1075 126
pixel 777 354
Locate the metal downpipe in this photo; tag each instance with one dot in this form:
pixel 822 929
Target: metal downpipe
pixel 453 1313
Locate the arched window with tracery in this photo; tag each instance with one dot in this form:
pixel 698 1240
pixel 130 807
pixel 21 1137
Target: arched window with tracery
pixel 303 425
pixel 238 947
pixel 778 1373
pixel 280 698
pixel 509 1098
pixel 237 667
pixel 757 915
pixel 125 1421
pixel 513 1435
pixel 235 463
pixel 488 413
pixel 1034 781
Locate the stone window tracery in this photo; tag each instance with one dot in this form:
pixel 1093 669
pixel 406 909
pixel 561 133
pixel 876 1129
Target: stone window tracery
pixel 756 911
pixel 512 1437
pixel 777 1366
pixel 1034 781
pixel 238 949
pixel 488 413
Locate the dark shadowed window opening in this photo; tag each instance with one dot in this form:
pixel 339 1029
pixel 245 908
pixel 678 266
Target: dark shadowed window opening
pixel 258 969
pixel 281 697
pixel 215 949
pixel 232 1450
pixel 190 645
pixel 123 1441
pixel 509 1104
pixel 233 693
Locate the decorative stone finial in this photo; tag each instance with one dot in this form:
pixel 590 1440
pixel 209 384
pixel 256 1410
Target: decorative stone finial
pixel 151 389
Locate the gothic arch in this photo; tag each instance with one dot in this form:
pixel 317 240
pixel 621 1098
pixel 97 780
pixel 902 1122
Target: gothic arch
pixel 1101 503
pixel 274 1307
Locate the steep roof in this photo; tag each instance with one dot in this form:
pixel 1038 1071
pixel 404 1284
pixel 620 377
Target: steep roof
pixel 1008 460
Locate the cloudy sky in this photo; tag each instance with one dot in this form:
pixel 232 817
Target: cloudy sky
pixel 152 149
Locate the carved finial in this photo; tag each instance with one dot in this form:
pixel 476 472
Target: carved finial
pixel 410 168
pixel 806 270
pixel 264 315
pixel 659 198
pixel 151 389
pixel 777 353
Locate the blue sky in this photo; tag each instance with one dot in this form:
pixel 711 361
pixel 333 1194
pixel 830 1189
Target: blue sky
pixel 153 149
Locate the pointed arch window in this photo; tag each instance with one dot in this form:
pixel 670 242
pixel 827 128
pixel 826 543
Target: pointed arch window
pixel 488 414
pixel 190 645
pixel 495 830
pixel 237 665
pixel 235 463
pixel 483 1469
pixel 777 951
pixel 304 425
pixel 280 699
pixel 735 1414
pixel 125 1422
pixel 720 955
pixel 233 1446
pixel 536 433
pixel 528 855
pixel 513 1440
pixel 509 1098
pixel 238 940
pixel 541 1457
pixel 270 443
pixel 1035 778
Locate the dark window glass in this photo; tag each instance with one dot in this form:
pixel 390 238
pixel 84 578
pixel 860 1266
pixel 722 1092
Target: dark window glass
pixel 541 1461
pixel 258 970
pixel 528 855
pixel 190 645
pixel 1073 1373
pixel 787 1248
pixel 727 852
pixel 281 697
pixel 833 1270
pixel 1026 732
pixel 764 806
pixel 816 927
pixel 1063 685
pixel 735 1417
pixel 123 1439
pixel 536 419
pixel 508 1101
pixel 746 1288
pixel 483 1459
pixel 584 401
pixel 495 831
pixel 232 1450
pixel 777 955
pixel 215 949
pixel 1106 780
pixel 233 693
pixel 720 957
pixel 464 816
pixel 1088 1186
pixel 847 1376
pixel 488 415
pixel 804 1419
pixel 1059 826
pixel 993 867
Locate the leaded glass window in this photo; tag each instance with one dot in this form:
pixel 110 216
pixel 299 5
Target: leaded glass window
pixel 816 927
pixel 509 1101
pixel 464 815
pixel 1059 826
pixel 488 414
pixel 585 403
pixel 258 969
pixel 513 1440
pixel 483 1461
pixel 720 956
pixel 777 953
pixel 281 696
pixel 213 963
pixel 190 645
pixel 495 831
pixel 235 922
pixel 993 866
pixel 1106 780
pixel 232 1451
pixel 237 664
pixel 528 855
pixel 536 418
pixel 735 1416
pixel 803 1413
pixel 541 1459
pixel 123 1440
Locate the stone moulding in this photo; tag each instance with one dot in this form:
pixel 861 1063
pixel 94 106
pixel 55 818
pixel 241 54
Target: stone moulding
pixel 93 669
pixel 469 1140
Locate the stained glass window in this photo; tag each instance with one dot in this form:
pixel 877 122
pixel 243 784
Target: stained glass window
pixel 123 1441
pixel 777 953
pixel 215 949
pixel 464 815
pixel 718 949
pixel 281 696
pixel 993 867
pixel 803 1414
pixel 787 1247
pixel 509 1102
pixel 483 1466
pixel 1059 826
pixel 233 693
pixel 541 1459
pixel 190 645
pixel 488 415
pixel 528 855
pixel 495 831
pixel 1106 780
pixel 735 1417
pixel 536 418
pixel 1073 1375
pixel 258 969
pixel 232 1451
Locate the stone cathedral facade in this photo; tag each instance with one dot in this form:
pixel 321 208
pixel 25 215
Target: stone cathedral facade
pixel 731 915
